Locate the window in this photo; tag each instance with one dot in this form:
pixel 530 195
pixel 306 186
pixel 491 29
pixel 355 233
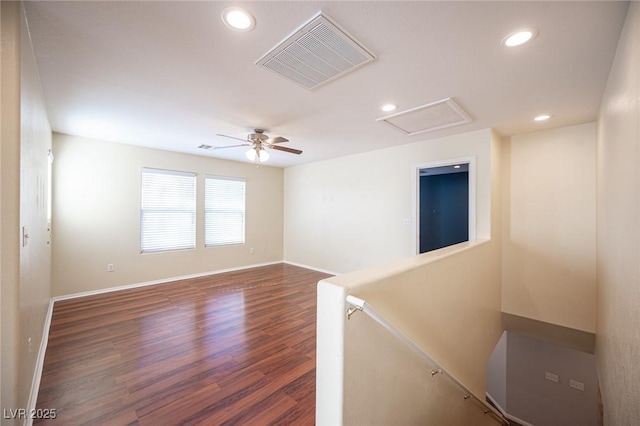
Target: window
pixel 168 210
pixel 224 211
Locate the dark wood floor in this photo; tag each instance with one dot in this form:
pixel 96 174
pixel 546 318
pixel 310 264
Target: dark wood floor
pixel 233 348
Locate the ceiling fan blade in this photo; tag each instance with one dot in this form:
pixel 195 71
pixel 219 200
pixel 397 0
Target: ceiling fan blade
pixel 291 150
pixel 231 146
pixel 231 137
pixel 278 139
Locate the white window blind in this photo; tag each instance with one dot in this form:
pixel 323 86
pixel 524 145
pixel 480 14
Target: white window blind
pixel 224 211
pixel 168 210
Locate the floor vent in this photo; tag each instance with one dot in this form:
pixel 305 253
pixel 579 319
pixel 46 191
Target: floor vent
pixel 427 118
pixel 316 53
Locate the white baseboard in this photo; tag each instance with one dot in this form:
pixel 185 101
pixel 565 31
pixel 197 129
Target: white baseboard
pixel 37 375
pixel 516 419
pixel 495 403
pixel 160 281
pixel 324 271
pixel 507 415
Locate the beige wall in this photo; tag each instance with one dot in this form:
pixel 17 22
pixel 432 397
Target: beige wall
pixel 388 383
pixel 25 269
pixel 437 299
pixel 348 213
pixel 10 205
pixel 35 255
pixel 451 312
pixel 618 335
pixel 548 271
pixel 97 216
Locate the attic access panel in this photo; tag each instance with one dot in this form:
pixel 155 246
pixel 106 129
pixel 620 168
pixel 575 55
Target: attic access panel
pixel 316 53
pixel 427 118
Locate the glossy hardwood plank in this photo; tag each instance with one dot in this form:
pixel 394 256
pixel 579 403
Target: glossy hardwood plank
pixel 233 348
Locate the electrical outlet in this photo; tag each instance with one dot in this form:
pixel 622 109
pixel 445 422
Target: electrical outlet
pixel 30 347
pixel 551 377
pixel 251 250
pixel 576 385
pixel 111 267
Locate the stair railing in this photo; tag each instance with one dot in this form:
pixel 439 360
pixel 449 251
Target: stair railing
pixel 356 304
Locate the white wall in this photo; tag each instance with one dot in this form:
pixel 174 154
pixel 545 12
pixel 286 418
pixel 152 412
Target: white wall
pixel 97 216
pixel 618 331
pixel 549 185
pixel 348 213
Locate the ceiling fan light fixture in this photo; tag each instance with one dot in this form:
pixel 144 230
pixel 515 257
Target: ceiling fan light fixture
pixel 238 19
pixel 260 145
pixel 257 154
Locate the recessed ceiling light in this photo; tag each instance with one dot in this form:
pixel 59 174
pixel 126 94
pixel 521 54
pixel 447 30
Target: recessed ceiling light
pixel 520 37
pixel 542 117
pixel 238 19
pixel 388 107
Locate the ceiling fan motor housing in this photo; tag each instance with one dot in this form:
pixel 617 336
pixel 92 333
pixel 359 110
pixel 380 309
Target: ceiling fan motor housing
pixel 258 136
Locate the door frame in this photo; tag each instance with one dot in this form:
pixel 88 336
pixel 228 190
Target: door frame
pixel 415 214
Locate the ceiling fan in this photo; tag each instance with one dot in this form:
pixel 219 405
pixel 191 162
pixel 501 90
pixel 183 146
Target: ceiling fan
pixel 259 143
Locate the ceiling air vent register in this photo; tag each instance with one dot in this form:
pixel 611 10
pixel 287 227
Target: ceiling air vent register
pixel 316 53
pixel 427 118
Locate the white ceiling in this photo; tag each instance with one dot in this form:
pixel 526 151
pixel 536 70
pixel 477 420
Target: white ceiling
pixel 171 75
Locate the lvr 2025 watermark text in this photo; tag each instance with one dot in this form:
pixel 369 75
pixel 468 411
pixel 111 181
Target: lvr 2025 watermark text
pixel 23 413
